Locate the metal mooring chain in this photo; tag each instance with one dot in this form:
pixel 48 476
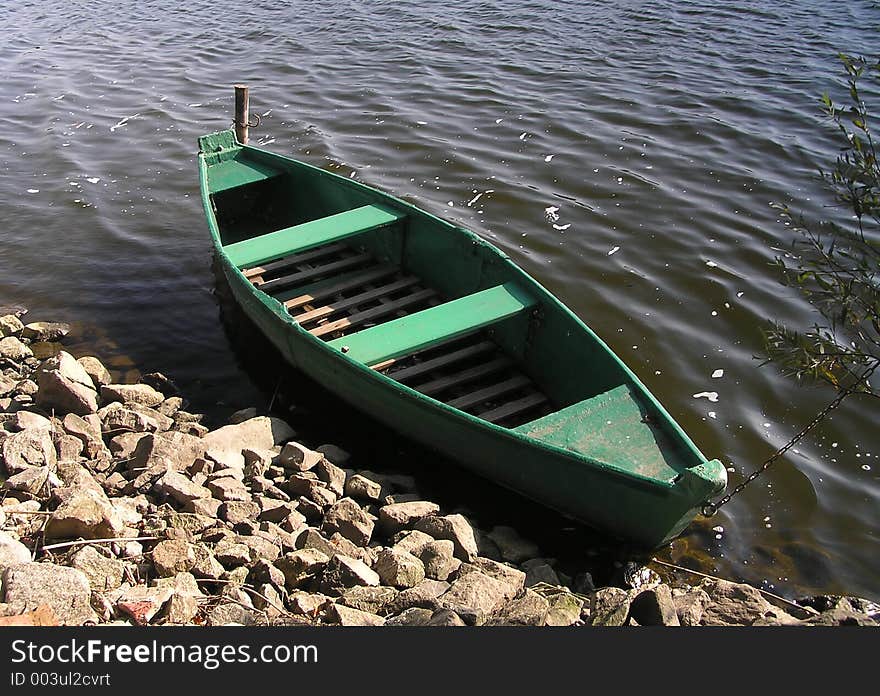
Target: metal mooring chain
pixel 710 508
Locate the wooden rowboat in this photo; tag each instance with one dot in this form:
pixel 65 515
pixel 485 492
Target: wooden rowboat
pixel 435 332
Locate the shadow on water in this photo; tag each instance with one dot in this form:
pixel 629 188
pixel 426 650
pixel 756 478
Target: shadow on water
pixel 319 417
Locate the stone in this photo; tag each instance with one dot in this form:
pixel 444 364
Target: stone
pixel 343 572
pixel 170 406
pixel 332 475
pixel 225 444
pixel 184 603
pixel 7 385
pixel 65 386
pixel 10 325
pixel 453 527
pixel 512 546
pixel 312 538
pixel 131 393
pixel 529 610
pixel 232 554
pixel 122 446
pixel 369 599
pixel 346 616
pixel 65 590
pixel 307 603
pixel 103 573
pixel 445 617
pixel 173 450
pixel 28 448
pixel 347 518
pixel 45 331
pixel 23 420
pixel 362 488
pixel 161 383
pixel 438 559
pixel 424 595
pixel 474 596
pixel 541 572
pixel 335 454
pixel 564 609
pixel 206 566
pixel 242 415
pixel 237 511
pixel 301 567
pixel 413 542
pixel 68 447
pixel 85 432
pixel 397 516
pixel 95 369
pixel 232 614
pixel 298 457
pixel 228 488
pixel 273 510
pixel 737 604
pixel 85 514
pixel 134 418
pixel 13 349
pixel 181 488
pixel 840 611
pixel 143 603
pixel 26 387
pixel 12 552
pixel 654 607
pixel 609 606
pixel 174 556
pixel 31 481
pixel 414 616
pixel 512 579
pixel 209 507
pixel 399 568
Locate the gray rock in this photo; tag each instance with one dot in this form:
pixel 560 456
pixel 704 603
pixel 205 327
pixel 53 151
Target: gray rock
pixel 529 610
pixel 609 607
pixel 132 417
pixel 174 451
pixel 737 604
pixel 13 349
pixel 10 325
pixel 564 609
pixel 95 369
pixel 85 514
pixel 209 507
pixel 228 488
pixel 141 394
pixel 242 415
pixel 184 603
pixel 298 457
pixel 346 616
pixel 475 596
pixel 65 590
pixel 232 614
pixel 68 447
pixel 181 488
pixel 397 516
pixel 343 572
pixel 445 617
pixel 335 454
pixel 347 518
pixel 399 568
pixel 689 606
pixel 301 567
pixel 370 599
pixel 541 573
pixel 312 538
pixel 206 565
pixel 12 552
pixel 438 558
pixel 24 420
pixel 414 616
pixel 236 511
pixel 122 446
pixel 103 573
pixel 455 528
pixel 424 595
pixel 170 406
pixel 654 607
pixel 512 546
pixel 231 553
pixel 45 331
pixel 88 433
pixel 174 556
pixel 512 579
pixel 332 475
pixel 307 603
pixel 273 510
pixel 362 488
pixel 64 386
pixel 28 448
pixel 225 444
pixel 31 481
pixel 413 542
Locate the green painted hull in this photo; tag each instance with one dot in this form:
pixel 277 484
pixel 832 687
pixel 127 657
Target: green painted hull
pixel 567 460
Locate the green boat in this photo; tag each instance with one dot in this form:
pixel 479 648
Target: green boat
pixel 433 331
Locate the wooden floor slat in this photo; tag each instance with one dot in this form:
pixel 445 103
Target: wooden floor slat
pixel 346 283
pixel 441 384
pixel 441 361
pixel 293 260
pixel 374 313
pixel 511 409
pixel 490 392
pixel 316 272
pixel 355 300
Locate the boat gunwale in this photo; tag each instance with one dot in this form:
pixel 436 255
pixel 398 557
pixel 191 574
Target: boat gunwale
pixel 700 471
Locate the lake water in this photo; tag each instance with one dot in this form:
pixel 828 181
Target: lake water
pixel 625 154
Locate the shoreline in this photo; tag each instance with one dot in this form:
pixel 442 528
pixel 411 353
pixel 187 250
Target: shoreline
pixel 117 498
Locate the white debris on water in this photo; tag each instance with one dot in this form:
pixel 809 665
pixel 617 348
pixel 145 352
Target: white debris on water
pixel 718 374
pixel 613 250
pixel 551 213
pixel 450 204
pixel 93 179
pixel 523 136
pixel 711 264
pixel 33 190
pixel 123 122
pixel 421 123
pixel 712 396
pixel 712 415
pixel 548 158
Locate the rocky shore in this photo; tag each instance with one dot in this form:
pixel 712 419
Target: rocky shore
pixel 119 506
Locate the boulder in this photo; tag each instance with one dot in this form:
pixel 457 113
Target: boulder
pixel 529 610
pixel 453 527
pixel 689 606
pixel 737 604
pixel 438 559
pixel 609 606
pixel 122 446
pixel 397 516
pixel 133 418
pixel 225 444
pixel 181 488
pixel 399 568
pixel 142 394
pixel 346 616
pixel 413 542
pixel 237 511
pixel 307 603
pixel 564 609
pixel 654 607
pixel 95 369
pixel 28 448
pixel 183 605
pixel 10 325
pixel 85 514
pixel 331 475
pixel 540 572
pixel 143 603
pixel 209 507
pixel 512 546
pixel 174 556
pixel 45 331
pixel 301 567
pixel 174 450
pixel 445 617
pixel 362 488
pixel 474 596
pixel 65 590
pixel 343 572
pixel 347 518
pixel 228 488
pixel 13 349
pixel 335 454
pixel 65 386
pixel 103 573
pixel 31 481
pixel 415 616
pixel 23 420
pixel 12 552
pixel 369 599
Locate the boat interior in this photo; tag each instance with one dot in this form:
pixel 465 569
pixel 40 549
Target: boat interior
pixel 435 309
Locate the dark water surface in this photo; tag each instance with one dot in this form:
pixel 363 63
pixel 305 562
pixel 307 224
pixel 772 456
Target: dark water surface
pixel 625 154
